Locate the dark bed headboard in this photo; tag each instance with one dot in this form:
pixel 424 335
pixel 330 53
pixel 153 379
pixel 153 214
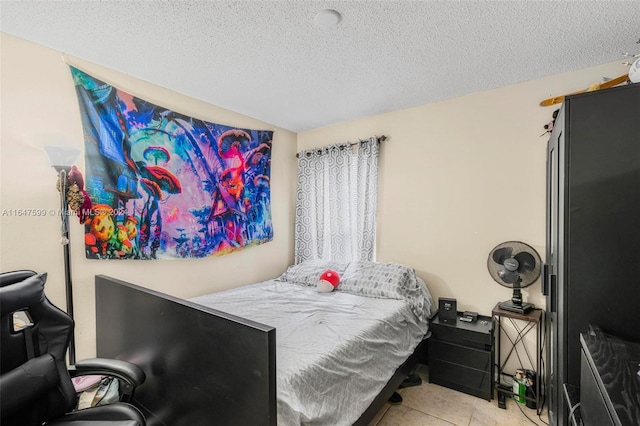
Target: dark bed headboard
pixel 203 366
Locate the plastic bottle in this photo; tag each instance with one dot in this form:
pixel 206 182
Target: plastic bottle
pixel 519 386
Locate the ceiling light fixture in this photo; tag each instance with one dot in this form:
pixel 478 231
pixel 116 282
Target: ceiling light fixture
pixel 327 18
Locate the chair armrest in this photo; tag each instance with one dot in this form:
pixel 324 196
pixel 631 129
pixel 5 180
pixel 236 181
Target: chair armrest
pixel 111 367
pixel 131 375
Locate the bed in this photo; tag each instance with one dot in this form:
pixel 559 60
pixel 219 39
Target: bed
pixel 337 354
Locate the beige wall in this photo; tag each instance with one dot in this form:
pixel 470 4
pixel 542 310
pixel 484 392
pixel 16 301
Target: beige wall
pixel 39 107
pixel 459 177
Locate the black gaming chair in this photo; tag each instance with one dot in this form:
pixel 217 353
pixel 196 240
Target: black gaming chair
pixel 35 384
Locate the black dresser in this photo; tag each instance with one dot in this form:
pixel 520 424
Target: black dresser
pixel 461 355
pixel 609 380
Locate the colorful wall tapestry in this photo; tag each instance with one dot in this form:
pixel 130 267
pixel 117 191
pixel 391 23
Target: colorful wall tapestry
pixel 165 185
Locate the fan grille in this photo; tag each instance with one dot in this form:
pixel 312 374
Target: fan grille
pixel 527 274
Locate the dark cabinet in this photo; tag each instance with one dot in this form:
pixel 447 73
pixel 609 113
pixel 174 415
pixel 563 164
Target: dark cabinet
pixel 461 355
pixel 592 272
pixel 609 383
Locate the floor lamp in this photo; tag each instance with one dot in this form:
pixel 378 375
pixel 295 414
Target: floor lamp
pixel 61 159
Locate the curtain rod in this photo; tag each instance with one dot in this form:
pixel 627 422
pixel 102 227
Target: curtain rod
pixel 380 139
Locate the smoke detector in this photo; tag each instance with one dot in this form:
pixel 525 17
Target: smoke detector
pixel 327 18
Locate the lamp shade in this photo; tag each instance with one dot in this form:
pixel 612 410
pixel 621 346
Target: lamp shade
pixel 61 156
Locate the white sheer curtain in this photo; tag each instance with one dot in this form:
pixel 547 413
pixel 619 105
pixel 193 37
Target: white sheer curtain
pixel 336 202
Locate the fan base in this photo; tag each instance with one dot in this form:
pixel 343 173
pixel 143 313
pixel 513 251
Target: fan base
pixel 512 307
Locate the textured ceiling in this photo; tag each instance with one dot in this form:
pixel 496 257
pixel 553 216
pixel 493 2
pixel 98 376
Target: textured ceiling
pixel 267 60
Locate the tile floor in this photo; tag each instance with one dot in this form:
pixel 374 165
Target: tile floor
pixel 433 405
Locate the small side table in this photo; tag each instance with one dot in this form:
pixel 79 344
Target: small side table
pixel 461 355
pixel 523 324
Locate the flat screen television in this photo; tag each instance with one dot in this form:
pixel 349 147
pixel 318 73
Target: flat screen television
pixel 202 366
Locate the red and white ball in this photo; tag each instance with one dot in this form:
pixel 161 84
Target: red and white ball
pixel 328 281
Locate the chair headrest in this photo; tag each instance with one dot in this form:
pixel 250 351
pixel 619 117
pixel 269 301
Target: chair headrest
pixel 22 294
pixel 13 277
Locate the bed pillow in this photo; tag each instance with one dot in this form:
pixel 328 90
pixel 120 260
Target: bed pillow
pixel 390 281
pixel 309 272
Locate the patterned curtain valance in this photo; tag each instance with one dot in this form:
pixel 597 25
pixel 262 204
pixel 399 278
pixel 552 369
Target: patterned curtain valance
pixel 353 146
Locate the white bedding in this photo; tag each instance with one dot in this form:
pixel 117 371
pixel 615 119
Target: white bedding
pixel 335 351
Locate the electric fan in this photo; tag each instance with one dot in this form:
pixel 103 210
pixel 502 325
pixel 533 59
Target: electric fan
pixel 515 265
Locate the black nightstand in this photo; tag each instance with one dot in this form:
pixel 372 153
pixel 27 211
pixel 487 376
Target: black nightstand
pixel 461 355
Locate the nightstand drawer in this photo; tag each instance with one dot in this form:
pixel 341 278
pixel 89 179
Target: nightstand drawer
pixel 464 336
pixel 462 355
pixel 461 378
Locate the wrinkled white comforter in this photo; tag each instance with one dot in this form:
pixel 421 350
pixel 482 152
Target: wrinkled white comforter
pixel 335 351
